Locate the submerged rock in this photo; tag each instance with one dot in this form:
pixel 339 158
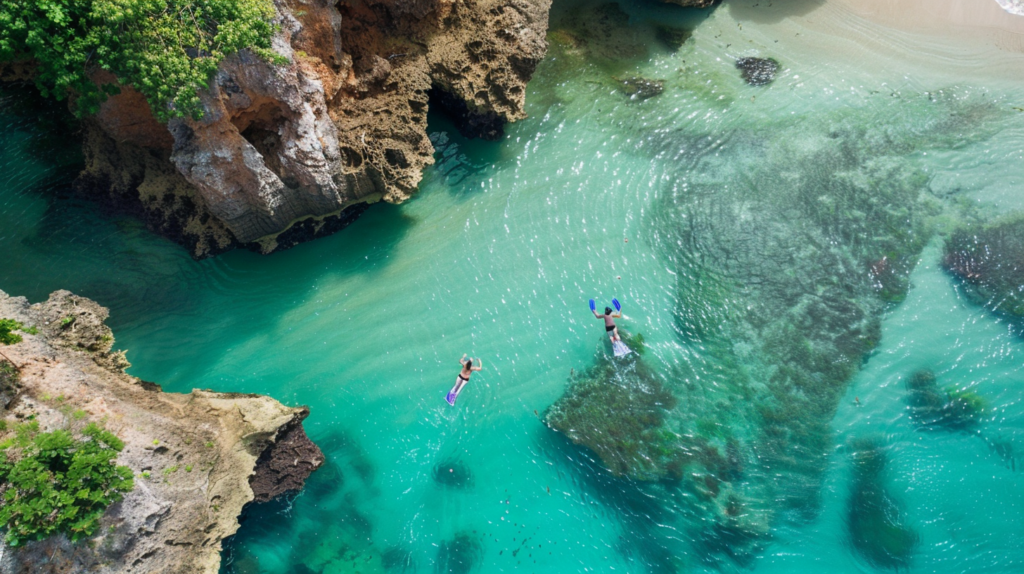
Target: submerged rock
pixel 622 410
pixel 641 88
pixel 616 408
pixel 758 71
pixel 458 555
pixel 874 518
pixel 397 559
pixel 691 3
pixel 988 261
pixel 453 473
pixel 197 458
pixel 599 34
pixel 778 240
pixel 951 408
pixel 673 37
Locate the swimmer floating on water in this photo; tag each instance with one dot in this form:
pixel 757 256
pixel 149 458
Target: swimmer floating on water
pixel 609 322
pixel 467 370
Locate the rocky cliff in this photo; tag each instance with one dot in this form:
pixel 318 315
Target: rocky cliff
pixel 198 458
pixel 288 152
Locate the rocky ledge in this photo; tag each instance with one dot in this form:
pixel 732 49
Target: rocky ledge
pixel 285 153
pixel 198 458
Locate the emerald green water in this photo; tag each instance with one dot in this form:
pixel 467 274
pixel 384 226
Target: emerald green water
pixel 728 219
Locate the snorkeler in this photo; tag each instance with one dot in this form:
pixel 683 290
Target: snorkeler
pixel 467 370
pixel 609 322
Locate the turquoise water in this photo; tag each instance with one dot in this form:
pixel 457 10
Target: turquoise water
pixel 730 220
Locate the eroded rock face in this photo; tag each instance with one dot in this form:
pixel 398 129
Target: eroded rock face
pixel 196 457
pixel 285 464
pixel 344 123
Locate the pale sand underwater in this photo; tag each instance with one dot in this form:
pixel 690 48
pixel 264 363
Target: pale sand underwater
pixel 973 40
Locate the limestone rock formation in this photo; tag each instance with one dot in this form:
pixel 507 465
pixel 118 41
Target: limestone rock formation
pixel 289 152
pixel 198 458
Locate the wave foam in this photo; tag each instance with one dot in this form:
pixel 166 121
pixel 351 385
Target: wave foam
pixel 1012 6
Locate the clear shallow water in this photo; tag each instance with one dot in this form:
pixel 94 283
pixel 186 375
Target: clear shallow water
pixel 709 182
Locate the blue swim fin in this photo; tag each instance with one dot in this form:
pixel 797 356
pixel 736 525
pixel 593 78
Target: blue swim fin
pixel 615 302
pixel 593 306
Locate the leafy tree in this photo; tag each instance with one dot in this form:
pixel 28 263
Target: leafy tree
pixel 54 482
pixel 166 49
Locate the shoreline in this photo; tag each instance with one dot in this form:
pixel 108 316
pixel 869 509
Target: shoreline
pixel 973 40
pixel 983 20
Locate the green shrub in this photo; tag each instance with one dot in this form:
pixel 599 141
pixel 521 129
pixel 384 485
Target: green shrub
pixel 8 326
pixel 55 482
pixel 166 49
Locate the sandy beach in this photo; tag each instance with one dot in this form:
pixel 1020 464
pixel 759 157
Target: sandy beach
pixel 983 19
pixel 974 38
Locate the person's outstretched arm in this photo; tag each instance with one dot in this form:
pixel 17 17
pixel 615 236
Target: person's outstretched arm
pixel 462 361
pixel 617 315
pixel 481 367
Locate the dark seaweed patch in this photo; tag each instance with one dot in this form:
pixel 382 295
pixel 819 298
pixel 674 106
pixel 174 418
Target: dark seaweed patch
pixel 875 519
pixel 397 559
pixel 616 408
pixel 950 408
pixel 988 261
pixel 458 555
pixel 453 473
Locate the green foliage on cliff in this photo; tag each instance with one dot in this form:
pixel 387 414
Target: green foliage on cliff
pixel 55 482
pixel 7 334
pixel 166 49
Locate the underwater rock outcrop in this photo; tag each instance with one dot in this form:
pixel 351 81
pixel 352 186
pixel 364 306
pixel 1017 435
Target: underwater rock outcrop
pixel 617 408
pixel 453 473
pixel 691 3
pixel 622 410
pixel 950 408
pixel 641 88
pixel 285 153
pixel 197 458
pixel 874 518
pixel 758 71
pixel 673 37
pixel 458 555
pixel 988 261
